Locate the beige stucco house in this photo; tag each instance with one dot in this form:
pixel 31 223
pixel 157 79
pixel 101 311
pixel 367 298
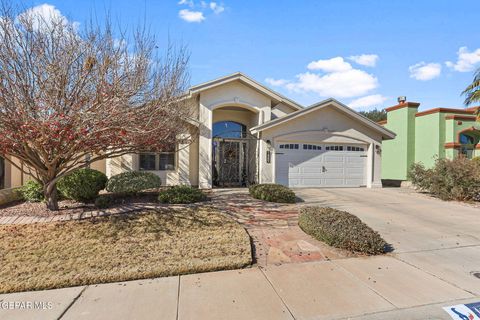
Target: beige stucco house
pixel 248 133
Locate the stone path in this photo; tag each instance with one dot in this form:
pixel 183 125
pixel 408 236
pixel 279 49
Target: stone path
pixel 274 230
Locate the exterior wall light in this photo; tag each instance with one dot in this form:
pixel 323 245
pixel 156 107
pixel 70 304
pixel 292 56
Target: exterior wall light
pixel 269 152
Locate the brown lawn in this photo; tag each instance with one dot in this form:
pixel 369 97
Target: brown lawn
pixel 119 248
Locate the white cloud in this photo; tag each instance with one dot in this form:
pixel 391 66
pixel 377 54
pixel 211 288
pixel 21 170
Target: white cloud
pixel 191 16
pixel 216 8
pixel 345 84
pixel 187 2
pixel 44 15
pixel 366 102
pixel 467 61
pixel 425 71
pixel 336 64
pixel 369 60
pixel 276 82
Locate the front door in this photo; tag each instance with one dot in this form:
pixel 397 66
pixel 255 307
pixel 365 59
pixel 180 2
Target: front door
pixel 229 162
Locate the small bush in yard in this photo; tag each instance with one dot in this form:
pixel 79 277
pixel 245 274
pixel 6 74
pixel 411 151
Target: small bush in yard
pixel 340 229
pixel 103 202
pixel 133 182
pixel 457 179
pixel 272 193
pixel 82 184
pixel 181 194
pixel 32 191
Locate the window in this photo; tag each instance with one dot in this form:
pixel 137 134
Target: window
pixel 229 129
pixel 334 148
pixel 160 161
pixel 147 161
pixel 466 139
pixel 354 148
pixel 344 148
pixel 289 146
pixel 311 147
pixel 167 161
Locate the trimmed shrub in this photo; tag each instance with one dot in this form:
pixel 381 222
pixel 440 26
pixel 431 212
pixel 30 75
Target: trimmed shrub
pixel 272 193
pixel 133 182
pixel 181 195
pixel 82 184
pixel 340 229
pixel 457 179
pixel 32 191
pixel 103 202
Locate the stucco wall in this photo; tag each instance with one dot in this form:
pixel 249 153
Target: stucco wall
pixel 281 110
pixel 399 153
pixel 428 140
pixel 234 94
pixel 327 125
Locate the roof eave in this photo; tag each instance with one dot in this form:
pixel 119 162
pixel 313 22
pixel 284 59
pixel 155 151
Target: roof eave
pixel 386 134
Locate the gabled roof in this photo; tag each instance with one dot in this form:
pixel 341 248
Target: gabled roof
pixel 238 76
pixel 386 134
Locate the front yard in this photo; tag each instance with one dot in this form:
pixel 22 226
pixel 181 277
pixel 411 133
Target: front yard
pixel 151 244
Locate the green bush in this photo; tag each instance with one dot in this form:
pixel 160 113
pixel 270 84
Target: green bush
pixel 181 194
pixel 82 184
pixel 340 229
pixel 133 182
pixel 457 179
pixel 103 201
pixel 272 193
pixel 32 191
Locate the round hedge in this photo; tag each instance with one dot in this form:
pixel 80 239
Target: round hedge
pixel 181 195
pixel 133 182
pixel 82 184
pixel 32 191
pixel 340 229
pixel 272 193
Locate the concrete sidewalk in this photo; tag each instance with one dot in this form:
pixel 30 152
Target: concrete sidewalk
pixel 384 287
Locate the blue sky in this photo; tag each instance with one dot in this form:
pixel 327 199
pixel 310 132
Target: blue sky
pixel 364 53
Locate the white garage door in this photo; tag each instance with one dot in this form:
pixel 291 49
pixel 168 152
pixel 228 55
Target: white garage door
pixel 320 165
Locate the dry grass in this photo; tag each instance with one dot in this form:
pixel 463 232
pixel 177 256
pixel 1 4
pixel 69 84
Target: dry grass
pixel 119 248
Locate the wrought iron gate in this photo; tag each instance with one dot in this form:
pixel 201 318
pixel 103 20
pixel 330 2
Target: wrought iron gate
pixel 230 165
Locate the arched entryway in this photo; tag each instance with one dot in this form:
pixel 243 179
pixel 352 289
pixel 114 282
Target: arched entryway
pixel 234 149
pixel 469 140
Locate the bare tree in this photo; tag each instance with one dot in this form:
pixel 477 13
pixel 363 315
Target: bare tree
pixel 70 97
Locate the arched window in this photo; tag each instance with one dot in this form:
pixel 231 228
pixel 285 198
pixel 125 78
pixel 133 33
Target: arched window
pixel 229 129
pixel 468 142
pixel 467 139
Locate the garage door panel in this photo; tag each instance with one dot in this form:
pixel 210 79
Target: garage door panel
pixel 312 170
pixel 334 182
pixel 333 159
pixel 354 171
pixel 311 182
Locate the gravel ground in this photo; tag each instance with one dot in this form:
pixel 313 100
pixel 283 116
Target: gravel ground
pixel 39 209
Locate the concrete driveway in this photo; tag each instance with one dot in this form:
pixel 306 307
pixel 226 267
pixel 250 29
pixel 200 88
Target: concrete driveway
pixel 436 257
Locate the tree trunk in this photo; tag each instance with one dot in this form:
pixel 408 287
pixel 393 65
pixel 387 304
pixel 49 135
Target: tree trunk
pixel 51 196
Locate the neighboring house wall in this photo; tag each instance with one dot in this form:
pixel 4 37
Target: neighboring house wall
pixel 429 139
pixel 399 153
pixel 423 137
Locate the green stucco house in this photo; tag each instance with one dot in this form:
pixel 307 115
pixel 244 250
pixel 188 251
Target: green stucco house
pixel 427 135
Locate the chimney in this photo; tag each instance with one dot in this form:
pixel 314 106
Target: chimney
pixel 402 99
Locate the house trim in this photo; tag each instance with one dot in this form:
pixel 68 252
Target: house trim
pixel 387 134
